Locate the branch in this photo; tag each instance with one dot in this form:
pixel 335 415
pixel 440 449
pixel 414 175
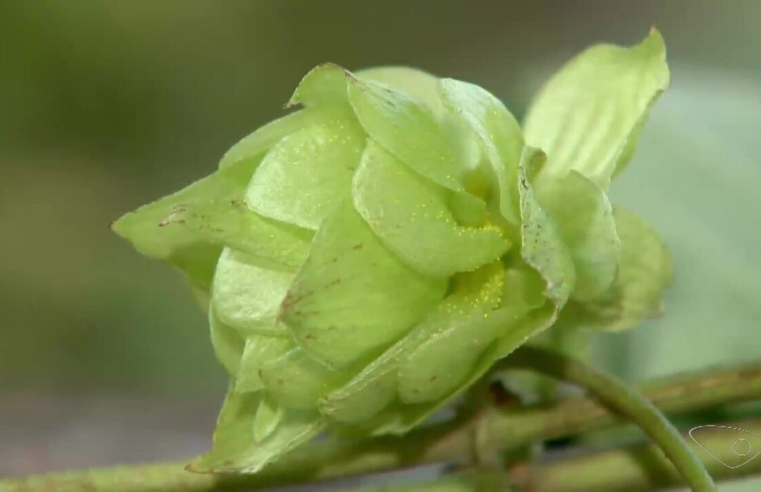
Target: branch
pixel 617 395
pixel 638 468
pixel 447 442
pixel 626 469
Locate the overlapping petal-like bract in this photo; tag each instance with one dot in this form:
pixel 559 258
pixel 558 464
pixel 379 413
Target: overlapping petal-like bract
pixel 366 258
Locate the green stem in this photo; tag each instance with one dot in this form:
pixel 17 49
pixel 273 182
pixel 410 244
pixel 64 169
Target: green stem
pixel 332 459
pixel 627 469
pixel 640 467
pixel 622 397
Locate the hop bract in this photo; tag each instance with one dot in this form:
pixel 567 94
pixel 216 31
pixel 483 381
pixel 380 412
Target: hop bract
pixel 370 255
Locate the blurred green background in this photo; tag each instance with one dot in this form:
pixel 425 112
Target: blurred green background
pixel 106 105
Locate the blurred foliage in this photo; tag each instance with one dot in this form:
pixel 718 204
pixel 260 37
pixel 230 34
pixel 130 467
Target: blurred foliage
pixel 696 179
pixel 105 105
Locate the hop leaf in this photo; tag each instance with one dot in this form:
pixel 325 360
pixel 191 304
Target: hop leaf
pixel 367 257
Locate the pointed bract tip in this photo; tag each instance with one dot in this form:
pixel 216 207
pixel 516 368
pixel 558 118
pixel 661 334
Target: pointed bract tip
pixel 296 98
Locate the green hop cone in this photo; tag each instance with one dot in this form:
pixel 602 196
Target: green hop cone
pixel 367 257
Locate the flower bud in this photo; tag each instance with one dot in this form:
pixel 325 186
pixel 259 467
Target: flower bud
pixel 367 257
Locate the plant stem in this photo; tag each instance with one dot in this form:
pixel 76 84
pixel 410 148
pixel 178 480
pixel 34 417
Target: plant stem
pixel 448 442
pixel 628 469
pixel 639 468
pixel 622 397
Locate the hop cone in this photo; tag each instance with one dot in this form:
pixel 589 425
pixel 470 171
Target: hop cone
pixel 367 257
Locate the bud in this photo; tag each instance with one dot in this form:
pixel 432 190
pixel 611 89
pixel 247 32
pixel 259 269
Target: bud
pixel 367 257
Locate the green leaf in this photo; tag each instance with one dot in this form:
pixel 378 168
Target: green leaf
pixel 519 333
pixel 523 287
pixel 497 132
pixel 517 328
pixel 308 172
pixel 645 272
pixel 268 416
pixel 418 84
pixel 413 93
pixel 323 85
pixel 452 343
pixel 407 129
pixel 248 296
pixel 369 391
pixel 432 360
pixel 517 320
pixel 235 448
pixel 353 298
pixel 185 249
pixel 584 218
pixel 326 84
pixel 253 147
pixel 296 380
pixel 424 87
pixel 258 351
pixel 542 247
pixel 397 205
pixel 587 117
pixel 230 223
pixel 228 344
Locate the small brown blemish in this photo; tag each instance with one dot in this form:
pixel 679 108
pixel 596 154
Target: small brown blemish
pixel 309 336
pixel 433 378
pixel 358 247
pixel 501 397
pixel 169 221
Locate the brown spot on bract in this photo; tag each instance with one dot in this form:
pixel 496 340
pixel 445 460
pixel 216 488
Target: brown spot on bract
pixel 357 247
pixel 169 221
pixel 309 336
pixel 433 378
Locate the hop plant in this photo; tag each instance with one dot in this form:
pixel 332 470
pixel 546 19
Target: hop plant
pixel 367 257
